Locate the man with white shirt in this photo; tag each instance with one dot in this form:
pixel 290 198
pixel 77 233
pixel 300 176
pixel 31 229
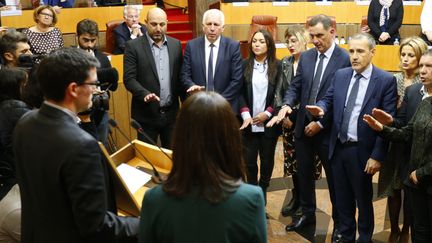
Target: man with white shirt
pixel 128 30
pixel 314 74
pixel 355 150
pixel 213 62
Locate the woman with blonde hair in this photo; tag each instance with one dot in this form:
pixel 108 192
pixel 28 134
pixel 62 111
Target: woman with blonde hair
pixel 44 37
pixel 393 170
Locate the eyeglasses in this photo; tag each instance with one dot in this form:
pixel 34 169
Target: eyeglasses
pixel 47 15
pixel 96 83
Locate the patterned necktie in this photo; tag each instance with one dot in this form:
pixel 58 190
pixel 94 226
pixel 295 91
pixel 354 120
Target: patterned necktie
pixel 210 81
pixel 316 81
pixel 343 134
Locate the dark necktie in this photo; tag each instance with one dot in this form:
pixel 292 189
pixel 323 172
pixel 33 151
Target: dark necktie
pixel 316 81
pixel 210 81
pixel 343 134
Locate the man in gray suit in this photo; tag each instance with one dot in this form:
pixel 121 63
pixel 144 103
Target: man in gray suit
pixel 152 65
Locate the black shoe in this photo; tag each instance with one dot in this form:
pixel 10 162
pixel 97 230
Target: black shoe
pixel 301 222
pixel 336 236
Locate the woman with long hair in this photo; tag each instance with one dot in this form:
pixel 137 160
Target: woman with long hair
pixel 204 198
pixel 390 177
pixel 261 73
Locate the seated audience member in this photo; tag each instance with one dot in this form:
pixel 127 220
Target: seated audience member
pixel 418 133
pixel 128 30
pixel 426 21
pixel 12 108
pixel 261 73
pixel 60 170
pixel 87 36
pixel 385 19
pixel 390 182
pixel 12 45
pixel 44 37
pixel 204 198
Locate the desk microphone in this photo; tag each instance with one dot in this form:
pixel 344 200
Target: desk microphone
pixel 156 178
pixel 139 129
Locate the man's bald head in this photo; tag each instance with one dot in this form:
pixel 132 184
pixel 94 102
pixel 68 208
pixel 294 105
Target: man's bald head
pixel 156 22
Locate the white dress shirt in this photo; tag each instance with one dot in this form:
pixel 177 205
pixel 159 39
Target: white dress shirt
pixel 207 54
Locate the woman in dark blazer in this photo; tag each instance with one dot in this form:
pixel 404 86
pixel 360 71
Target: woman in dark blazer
pixel 385 19
pixel 261 72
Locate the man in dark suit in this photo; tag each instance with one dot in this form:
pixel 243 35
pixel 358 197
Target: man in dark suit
pixel 355 150
pixel 152 66
pixel 314 73
pixel 128 30
pixel 60 172
pixel 224 73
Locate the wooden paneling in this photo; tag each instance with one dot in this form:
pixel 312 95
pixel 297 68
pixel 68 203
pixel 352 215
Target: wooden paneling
pixel 69 17
pixel 296 12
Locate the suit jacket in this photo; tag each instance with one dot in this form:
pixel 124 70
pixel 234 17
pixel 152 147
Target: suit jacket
pixel 300 87
pixel 62 184
pixel 395 21
pixel 411 99
pixel 381 93
pixel 227 74
pixel 246 99
pixel 122 35
pixel 141 78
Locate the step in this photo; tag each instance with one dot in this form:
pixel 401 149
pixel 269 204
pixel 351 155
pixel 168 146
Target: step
pixel 184 35
pixel 183 17
pixel 179 25
pixel 174 11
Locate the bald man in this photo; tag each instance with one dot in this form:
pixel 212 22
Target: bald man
pixel 152 65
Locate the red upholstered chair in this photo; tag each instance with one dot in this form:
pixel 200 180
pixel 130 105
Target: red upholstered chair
pixel 266 22
pixel 258 22
pixel 109 37
pixel 364 26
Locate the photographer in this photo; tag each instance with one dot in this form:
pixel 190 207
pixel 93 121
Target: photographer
pixel 13 44
pixel 87 37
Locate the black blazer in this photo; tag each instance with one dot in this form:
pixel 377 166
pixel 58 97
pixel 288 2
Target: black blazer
pixel 395 21
pixel 62 183
pixel 246 98
pixel 412 98
pixel 141 78
pixel 122 35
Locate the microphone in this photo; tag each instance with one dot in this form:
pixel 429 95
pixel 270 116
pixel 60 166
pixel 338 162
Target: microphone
pixel 139 129
pixel 157 178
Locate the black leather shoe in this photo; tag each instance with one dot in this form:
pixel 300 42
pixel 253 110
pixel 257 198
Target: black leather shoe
pixel 336 236
pixel 290 208
pixel 301 222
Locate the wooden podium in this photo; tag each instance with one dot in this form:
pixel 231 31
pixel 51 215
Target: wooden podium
pixel 129 203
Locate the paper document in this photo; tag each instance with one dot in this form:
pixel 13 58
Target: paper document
pixel 133 178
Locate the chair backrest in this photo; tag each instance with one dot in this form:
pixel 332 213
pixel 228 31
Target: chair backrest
pixel 333 19
pixel 109 35
pixel 267 22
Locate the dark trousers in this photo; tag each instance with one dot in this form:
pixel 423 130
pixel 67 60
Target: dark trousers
pixel 162 129
pixel 421 202
pixel 258 144
pixel 353 187
pixel 307 148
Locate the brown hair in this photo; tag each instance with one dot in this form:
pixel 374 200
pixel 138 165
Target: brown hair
pixel 207 149
pixel 271 56
pixel 417 44
pixel 298 32
pixel 39 9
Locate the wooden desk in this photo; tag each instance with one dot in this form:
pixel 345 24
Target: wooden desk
pixel 297 12
pixel 69 17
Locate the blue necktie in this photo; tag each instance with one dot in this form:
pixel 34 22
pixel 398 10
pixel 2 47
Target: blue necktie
pixel 210 81
pixel 343 134
pixel 316 81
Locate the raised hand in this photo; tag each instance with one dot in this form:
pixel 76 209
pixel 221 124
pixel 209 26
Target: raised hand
pixel 315 110
pixel 373 123
pixel 382 116
pixel 246 123
pixel 285 110
pixel 151 97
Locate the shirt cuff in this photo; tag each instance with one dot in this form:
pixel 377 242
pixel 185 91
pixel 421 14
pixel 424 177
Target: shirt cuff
pixel 133 37
pixel 268 114
pixel 319 124
pixel 246 115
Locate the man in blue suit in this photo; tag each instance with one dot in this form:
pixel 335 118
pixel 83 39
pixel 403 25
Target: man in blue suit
pixel 314 73
pixel 355 150
pixel 224 73
pixel 128 30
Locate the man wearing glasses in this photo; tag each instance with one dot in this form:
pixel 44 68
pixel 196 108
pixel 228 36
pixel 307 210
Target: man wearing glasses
pixel 128 30
pixel 62 179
